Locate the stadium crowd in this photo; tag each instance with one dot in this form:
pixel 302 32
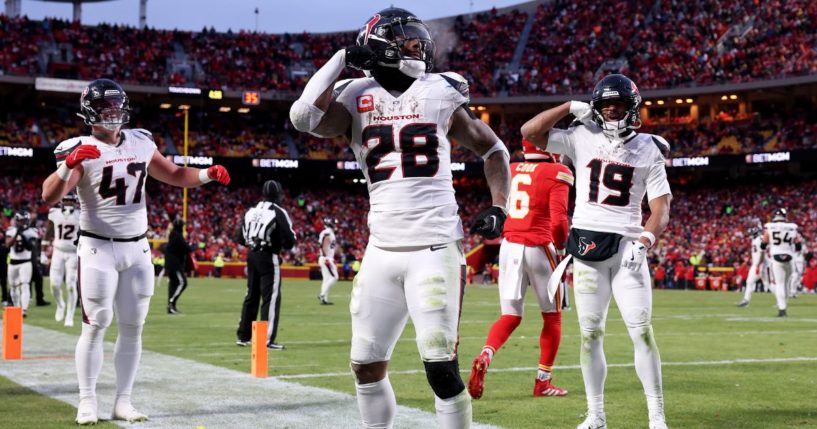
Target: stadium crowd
pixel 660 43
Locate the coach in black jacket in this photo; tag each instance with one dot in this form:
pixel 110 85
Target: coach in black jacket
pixel 176 254
pixel 266 230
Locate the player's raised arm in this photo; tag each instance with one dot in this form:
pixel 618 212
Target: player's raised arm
pixel 68 173
pixel 536 130
pixel 315 112
pixel 480 138
pixel 163 170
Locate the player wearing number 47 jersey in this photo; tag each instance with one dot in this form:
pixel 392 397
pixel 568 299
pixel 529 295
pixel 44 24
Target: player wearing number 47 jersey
pixel 615 168
pixel 398 121
pixel 63 230
pixel 109 168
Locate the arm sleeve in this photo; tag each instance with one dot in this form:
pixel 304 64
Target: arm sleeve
pixel 558 213
pixel 562 142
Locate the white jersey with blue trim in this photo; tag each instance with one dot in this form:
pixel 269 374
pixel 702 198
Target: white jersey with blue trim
pixel 612 178
pixel 17 251
pixel 402 147
pixel 112 188
pixel 782 238
pixel 66 228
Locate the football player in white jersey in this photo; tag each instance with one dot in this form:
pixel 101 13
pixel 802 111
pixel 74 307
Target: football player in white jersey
pixel 783 241
pixel 108 168
pixel 757 265
pixel 615 168
pixel 329 271
pixel 21 240
pixel 398 121
pixel 63 231
pixel 798 270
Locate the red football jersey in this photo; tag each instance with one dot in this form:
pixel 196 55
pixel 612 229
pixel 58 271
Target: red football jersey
pixel 537 213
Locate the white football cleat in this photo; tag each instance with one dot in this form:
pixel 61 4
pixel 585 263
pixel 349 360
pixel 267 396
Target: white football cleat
pixel 87 412
pixel 593 421
pixel 69 321
pixel 123 410
pixel 658 422
pixel 58 316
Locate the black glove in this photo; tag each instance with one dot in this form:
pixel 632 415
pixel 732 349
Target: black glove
pixel 489 222
pixel 360 57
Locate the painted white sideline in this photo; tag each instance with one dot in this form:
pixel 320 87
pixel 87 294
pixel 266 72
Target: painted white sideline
pixel 178 392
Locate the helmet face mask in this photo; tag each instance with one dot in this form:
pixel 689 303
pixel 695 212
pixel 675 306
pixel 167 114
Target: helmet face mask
pixel 330 222
pixel 22 220
pixel 616 87
pixel 104 104
pixel 399 40
pixel 69 202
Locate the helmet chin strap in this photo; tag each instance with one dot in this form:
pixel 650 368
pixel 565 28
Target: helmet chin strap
pixel 412 68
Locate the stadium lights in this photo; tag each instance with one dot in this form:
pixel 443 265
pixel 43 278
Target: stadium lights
pixel 472 108
pixel 184 107
pixel 224 109
pixel 165 106
pixel 733 97
pixel 648 103
pixel 480 108
pixel 678 101
pixel 660 102
pixel 243 110
pixel 724 98
pixel 689 101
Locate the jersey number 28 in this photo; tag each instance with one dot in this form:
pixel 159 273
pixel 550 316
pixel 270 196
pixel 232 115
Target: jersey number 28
pixel 416 140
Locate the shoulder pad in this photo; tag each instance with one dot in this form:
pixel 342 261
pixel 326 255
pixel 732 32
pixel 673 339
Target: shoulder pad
pixel 457 82
pixel 661 144
pixel 340 86
pixel 141 132
pixel 66 147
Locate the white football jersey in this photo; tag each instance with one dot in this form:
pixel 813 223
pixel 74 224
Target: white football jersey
pixel 611 180
pixel 327 232
pixel 757 252
pixel 112 189
pixel 782 236
pixel 402 148
pixel 18 251
pixel 66 228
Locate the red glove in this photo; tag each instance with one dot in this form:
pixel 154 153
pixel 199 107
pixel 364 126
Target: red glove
pixel 85 151
pixel 219 174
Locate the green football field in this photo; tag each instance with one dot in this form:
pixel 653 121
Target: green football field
pixel 724 367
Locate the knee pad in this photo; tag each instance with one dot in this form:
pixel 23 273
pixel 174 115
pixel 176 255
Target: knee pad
pixel 592 326
pixel 436 346
pixel 444 378
pixel 128 330
pixel 636 317
pixel 98 315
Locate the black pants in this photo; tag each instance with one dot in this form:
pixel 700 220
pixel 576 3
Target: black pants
pixel 176 285
pixel 4 278
pixel 264 285
pixel 37 281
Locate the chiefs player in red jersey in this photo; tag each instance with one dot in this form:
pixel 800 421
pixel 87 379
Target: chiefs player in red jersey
pixel 534 237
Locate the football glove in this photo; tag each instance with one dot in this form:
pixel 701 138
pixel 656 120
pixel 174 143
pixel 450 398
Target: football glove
pixel 360 57
pixel 219 174
pixel 82 152
pixel 489 223
pixel 582 111
pixel 634 254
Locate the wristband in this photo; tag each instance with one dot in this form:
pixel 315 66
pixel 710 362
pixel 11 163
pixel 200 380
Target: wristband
pixel 649 236
pixel 203 177
pixel 63 172
pixel 497 147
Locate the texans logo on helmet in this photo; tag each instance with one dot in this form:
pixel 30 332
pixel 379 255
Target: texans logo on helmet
pixel 585 247
pixel 369 25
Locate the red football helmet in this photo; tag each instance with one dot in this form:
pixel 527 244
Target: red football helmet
pixel 533 153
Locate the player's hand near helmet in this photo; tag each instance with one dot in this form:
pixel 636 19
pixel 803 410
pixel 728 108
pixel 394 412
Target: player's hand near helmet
pixel 81 153
pixel 219 174
pixel 360 57
pixel 582 111
pixel 489 223
pixel 634 254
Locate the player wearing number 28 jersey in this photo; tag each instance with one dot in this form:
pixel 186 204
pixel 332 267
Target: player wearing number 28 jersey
pixel 615 168
pixel 109 168
pixel 398 120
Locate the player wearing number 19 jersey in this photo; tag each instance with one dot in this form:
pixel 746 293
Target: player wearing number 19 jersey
pixel 615 168
pixel 535 232
pixel 108 169
pixel 398 121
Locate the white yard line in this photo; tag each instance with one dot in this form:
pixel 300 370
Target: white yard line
pixel 567 367
pixel 179 393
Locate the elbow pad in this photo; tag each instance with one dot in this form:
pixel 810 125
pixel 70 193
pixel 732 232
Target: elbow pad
pixel 798 246
pixel 305 116
pixel 764 245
